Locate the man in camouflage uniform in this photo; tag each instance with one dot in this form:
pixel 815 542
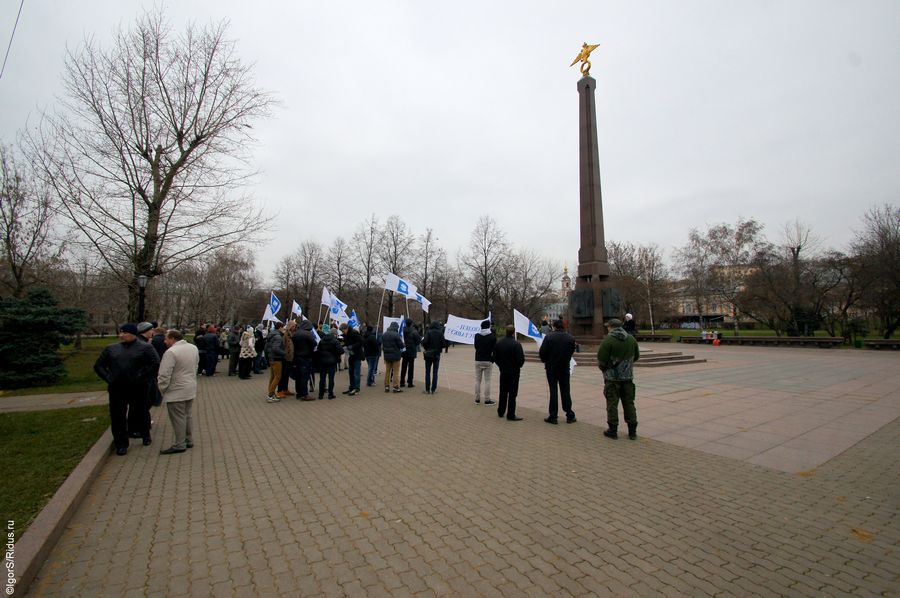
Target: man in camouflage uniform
pixel 616 358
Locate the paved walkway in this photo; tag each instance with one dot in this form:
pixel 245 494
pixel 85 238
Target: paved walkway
pixel 415 495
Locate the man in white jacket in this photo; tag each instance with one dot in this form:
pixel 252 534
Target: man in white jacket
pixel 177 382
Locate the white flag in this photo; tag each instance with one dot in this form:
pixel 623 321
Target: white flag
pixel 268 316
pixel 526 328
pixel 295 310
pixel 326 297
pixel 394 283
pixel 425 302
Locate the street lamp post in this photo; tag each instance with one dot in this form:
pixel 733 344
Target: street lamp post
pixel 142 284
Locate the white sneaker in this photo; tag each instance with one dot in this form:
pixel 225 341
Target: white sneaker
pixel 273 399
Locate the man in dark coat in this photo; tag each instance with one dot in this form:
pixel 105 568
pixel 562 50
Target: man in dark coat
pixel 485 341
pixel 392 349
pixel 211 339
pixel 234 349
pixel 556 353
pixel 411 341
pixel 353 343
pixel 432 345
pixel 616 357
pixel 372 350
pixel 127 368
pixel 329 351
pixel 200 341
pixel 304 345
pixel 509 358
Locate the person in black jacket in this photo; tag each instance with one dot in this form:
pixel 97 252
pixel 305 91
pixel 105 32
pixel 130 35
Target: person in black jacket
pixel 372 350
pixel 556 353
pixel 304 345
pixel 329 351
pixel 200 341
pixel 411 341
pixel 431 345
pixel 392 347
pixel 509 357
pixel 127 368
pixel 630 327
pixel 353 343
pixel 485 340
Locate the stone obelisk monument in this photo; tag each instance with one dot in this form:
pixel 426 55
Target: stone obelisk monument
pixel 586 302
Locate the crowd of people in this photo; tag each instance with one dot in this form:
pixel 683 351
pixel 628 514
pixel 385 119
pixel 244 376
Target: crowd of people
pixel 151 364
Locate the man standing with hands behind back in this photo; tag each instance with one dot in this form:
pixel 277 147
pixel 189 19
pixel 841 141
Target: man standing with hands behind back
pixel 556 353
pixel 127 368
pixel 178 385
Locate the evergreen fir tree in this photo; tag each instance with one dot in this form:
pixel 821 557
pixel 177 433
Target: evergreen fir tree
pixel 31 331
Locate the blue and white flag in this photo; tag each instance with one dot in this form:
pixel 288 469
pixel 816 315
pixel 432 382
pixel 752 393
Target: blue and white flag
pixel 274 303
pixel 316 336
pixel 425 302
pixel 295 310
pixel 353 322
pixel 338 310
pixel 268 316
pixel 392 282
pixel 525 327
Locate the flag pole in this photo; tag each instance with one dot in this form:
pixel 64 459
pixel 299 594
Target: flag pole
pixel 380 305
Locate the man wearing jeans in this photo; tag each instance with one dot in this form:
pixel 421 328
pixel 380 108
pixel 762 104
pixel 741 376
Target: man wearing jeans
pixel 485 340
pixel 178 385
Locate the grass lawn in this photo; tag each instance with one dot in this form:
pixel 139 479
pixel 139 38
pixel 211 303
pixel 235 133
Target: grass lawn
pixel 79 365
pixel 38 450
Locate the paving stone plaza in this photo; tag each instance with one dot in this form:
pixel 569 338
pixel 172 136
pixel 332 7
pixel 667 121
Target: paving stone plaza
pixel 765 471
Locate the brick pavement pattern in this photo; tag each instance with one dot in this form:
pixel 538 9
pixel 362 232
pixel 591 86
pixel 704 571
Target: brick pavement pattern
pixel 409 494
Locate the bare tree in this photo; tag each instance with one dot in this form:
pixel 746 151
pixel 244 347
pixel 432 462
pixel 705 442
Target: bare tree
pixel 364 246
pixel 395 251
pixel 653 276
pixel 529 284
pixel 308 260
pixel 431 257
pixel 148 158
pixel 695 260
pixel 484 264
pixel 640 274
pixel 339 270
pixel 26 215
pixel 733 249
pixel 878 246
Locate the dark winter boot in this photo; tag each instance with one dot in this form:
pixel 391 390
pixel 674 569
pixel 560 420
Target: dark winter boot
pixel 632 431
pixel 611 432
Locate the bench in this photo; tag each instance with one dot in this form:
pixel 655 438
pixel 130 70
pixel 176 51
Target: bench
pixel 662 338
pixel 782 341
pixel 882 343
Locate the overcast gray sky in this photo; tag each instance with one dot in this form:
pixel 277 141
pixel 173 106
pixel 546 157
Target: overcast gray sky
pixel 441 112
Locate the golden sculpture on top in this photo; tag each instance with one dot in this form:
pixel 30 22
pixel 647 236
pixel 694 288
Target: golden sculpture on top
pixel 583 56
